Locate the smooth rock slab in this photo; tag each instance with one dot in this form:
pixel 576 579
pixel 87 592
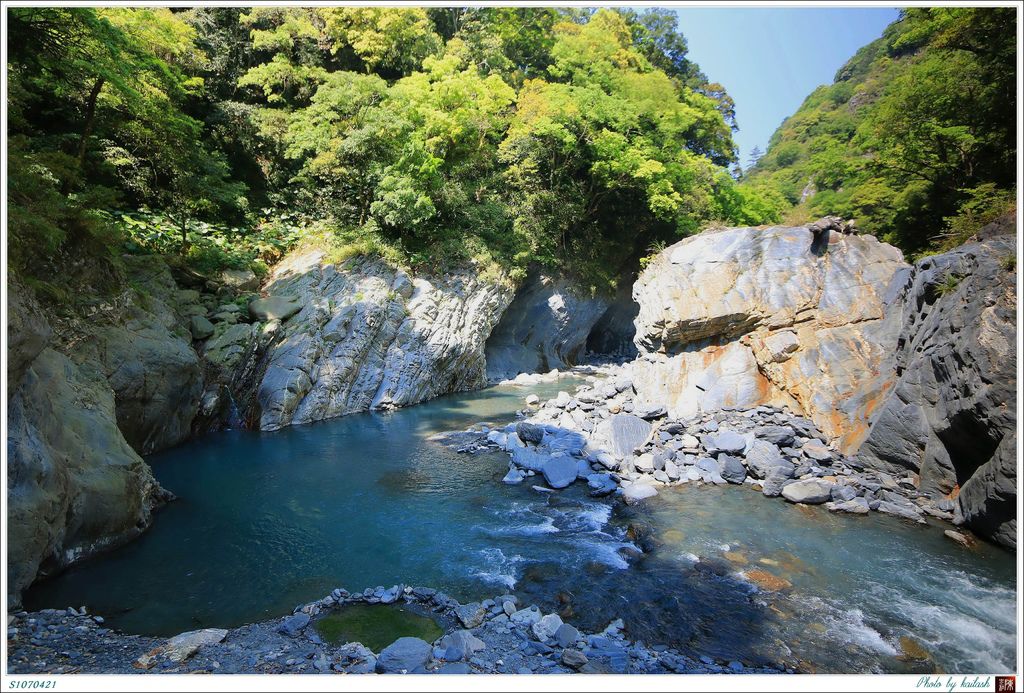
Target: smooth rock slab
pixel 403 655
pixel 638 492
pixel 274 308
pixel 809 491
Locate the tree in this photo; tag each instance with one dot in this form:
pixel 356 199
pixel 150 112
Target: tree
pixel 755 155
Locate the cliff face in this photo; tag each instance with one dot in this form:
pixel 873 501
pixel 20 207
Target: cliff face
pixel 740 317
pixel 951 417
pixel 914 368
pixel 365 336
pixel 82 407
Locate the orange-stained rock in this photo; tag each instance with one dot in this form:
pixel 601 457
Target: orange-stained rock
pixel 766 580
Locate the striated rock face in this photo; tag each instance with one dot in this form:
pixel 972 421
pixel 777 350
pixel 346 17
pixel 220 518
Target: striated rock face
pixel 119 381
pixel 545 327
pixel 741 317
pixel 148 360
pixel 952 415
pixel 369 337
pixel 27 333
pixel 75 486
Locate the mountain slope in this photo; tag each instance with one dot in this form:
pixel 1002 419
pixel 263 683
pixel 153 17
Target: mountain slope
pixel 915 138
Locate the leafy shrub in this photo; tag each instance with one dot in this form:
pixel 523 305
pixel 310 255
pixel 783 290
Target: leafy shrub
pixel 211 247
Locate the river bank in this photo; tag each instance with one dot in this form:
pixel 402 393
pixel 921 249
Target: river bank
pixel 494 636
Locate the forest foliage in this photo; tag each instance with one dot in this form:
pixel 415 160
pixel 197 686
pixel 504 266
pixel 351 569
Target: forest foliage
pixel 508 137
pixel 505 136
pixel 915 139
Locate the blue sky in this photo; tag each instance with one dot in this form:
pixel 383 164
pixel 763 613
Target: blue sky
pixel 770 58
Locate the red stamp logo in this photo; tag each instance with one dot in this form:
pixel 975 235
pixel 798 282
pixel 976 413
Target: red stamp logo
pixel 1006 684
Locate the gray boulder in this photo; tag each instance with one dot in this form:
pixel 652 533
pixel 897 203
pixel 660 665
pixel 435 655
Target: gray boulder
pixel 843 492
pixel 240 280
pixel 461 644
pixel 905 510
pixel 404 656
pixel 294 624
pixel 762 457
pixel 776 480
pixel 601 484
pixel 809 491
pixel 856 506
pixel 566 635
pixel 637 492
pixel 733 470
pixel 528 458
pixel 625 433
pixel 559 472
pixel 200 327
pixel 471 615
pixel 514 476
pixel 530 433
pixel 816 450
pixel 782 436
pixel 724 441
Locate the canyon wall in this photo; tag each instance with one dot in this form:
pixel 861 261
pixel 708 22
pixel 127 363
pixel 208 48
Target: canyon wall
pixel 913 367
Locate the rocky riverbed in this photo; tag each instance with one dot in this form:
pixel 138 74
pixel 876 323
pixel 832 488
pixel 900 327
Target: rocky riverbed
pixel 602 436
pixel 493 636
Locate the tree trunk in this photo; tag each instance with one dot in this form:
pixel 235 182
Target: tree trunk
pixel 184 234
pixel 90 118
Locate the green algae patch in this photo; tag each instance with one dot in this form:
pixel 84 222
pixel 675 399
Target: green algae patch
pixel 376 626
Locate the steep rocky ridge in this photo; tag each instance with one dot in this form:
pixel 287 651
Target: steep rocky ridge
pixel 362 335
pixel 951 418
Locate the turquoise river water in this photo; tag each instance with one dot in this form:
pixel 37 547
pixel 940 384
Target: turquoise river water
pixel 265 521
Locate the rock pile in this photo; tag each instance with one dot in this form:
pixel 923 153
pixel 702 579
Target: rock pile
pixel 602 436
